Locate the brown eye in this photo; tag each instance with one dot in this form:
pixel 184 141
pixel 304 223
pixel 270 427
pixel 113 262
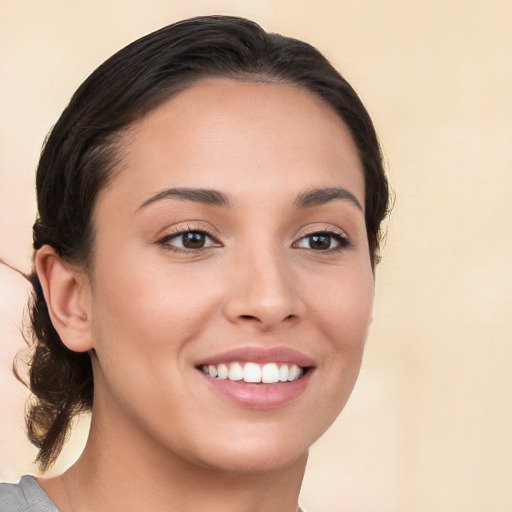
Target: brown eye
pixel 319 242
pixel 193 240
pixel 189 241
pixel 323 241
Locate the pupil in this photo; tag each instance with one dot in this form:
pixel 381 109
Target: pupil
pixel 193 240
pixel 319 242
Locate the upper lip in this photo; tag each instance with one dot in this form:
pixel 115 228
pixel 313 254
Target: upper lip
pixel 260 355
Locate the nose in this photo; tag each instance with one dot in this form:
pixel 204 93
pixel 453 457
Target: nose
pixel 263 292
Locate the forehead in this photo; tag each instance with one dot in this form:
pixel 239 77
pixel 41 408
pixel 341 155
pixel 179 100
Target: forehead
pixel 222 134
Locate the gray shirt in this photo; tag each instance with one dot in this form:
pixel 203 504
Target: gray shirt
pixel 25 496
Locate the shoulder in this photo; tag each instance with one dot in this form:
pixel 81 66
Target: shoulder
pixel 25 496
pixel 12 498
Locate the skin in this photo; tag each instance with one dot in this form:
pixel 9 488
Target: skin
pixel 148 313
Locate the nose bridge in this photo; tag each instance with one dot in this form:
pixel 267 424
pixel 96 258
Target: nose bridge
pixel 263 290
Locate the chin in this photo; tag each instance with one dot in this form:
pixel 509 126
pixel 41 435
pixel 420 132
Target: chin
pixel 255 450
pixel 255 462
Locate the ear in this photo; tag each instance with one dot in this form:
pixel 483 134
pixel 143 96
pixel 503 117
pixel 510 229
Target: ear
pixel 67 296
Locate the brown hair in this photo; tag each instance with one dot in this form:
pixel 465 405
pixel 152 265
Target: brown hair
pixel 79 157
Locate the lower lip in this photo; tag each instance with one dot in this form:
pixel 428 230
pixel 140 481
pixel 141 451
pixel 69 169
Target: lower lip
pixel 259 396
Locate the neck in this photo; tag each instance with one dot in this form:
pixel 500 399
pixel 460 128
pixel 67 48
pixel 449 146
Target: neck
pixel 130 472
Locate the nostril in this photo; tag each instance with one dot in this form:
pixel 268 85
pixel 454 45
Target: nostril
pixel 257 319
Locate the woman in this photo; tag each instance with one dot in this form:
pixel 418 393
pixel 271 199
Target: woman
pixel 209 211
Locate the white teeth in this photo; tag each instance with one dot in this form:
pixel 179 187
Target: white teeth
pixel 222 371
pixel 293 372
pixel 235 372
pixel 252 372
pixel 269 373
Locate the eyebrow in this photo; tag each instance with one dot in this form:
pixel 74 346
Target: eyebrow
pixel 320 196
pixel 196 195
pixel 308 199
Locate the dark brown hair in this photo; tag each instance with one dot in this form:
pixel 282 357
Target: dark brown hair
pixel 79 159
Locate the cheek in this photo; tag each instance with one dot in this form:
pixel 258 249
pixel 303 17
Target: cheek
pixel 143 308
pixel 145 320
pixel 343 313
pixel 344 308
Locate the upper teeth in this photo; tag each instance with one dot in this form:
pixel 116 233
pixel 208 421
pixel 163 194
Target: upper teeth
pixel 252 372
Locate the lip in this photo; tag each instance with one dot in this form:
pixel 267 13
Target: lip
pixel 260 356
pixel 259 396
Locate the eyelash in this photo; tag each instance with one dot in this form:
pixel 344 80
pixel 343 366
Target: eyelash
pixel 342 240
pixel 165 241
pixel 339 236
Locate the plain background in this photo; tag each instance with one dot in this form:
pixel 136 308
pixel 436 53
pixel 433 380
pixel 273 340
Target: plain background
pixel 429 424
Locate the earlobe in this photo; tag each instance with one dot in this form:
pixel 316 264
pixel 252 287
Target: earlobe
pixel 66 300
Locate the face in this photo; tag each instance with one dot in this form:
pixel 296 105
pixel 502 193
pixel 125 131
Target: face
pixel 231 291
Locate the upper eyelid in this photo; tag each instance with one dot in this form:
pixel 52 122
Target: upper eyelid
pixel 190 226
pixel 185 227
pixel 322 229
pixel 333 234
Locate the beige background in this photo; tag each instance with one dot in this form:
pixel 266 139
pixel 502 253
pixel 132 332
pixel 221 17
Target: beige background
pixel 429 424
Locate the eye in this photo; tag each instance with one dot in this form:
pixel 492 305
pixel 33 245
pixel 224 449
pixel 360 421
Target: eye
pixel 189 240
pixel 323 241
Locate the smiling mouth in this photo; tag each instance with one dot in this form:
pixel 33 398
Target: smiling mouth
pixel 254 373
pixel 258 378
